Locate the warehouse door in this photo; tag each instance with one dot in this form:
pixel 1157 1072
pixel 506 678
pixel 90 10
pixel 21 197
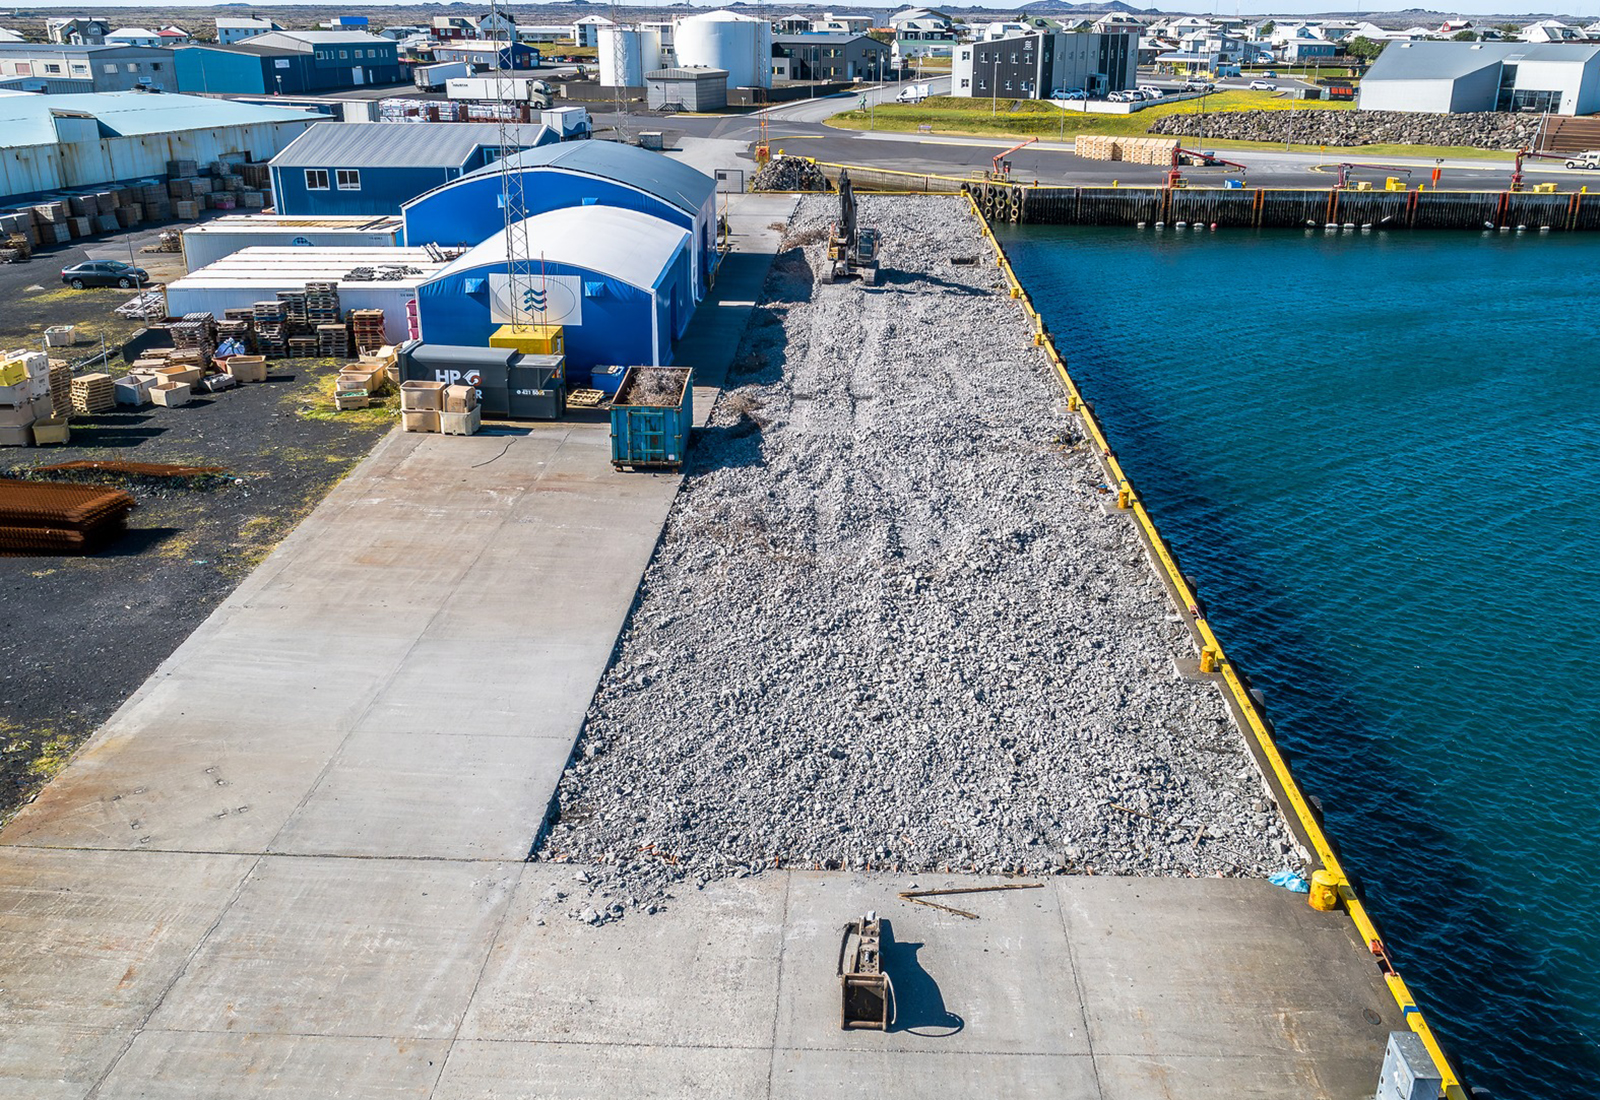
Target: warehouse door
pixel 356 75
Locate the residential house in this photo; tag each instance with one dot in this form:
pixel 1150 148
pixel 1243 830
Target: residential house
pixel 59 70
pixel 489 55
pixel 841 24
pixel 993 32
pixel 453 28
pixel 237 30
pixel 1552 31
pixel 792 24
pixel 77 31
pixel 9 35
pixel 586 31
pixel 133 36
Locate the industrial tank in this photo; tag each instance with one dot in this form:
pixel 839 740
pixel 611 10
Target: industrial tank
pixel 626 54
pixel 727 40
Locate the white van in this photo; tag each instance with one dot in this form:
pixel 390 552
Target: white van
pixel 912 93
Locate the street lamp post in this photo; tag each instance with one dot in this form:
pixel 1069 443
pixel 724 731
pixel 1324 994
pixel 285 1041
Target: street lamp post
pixel 994 85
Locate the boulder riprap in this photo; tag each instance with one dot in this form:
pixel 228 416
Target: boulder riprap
pixel 789 174
pixel 892 623
pixel 1483 130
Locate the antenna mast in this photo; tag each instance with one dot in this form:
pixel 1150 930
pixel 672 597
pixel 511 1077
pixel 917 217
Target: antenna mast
pixel 513 200
pixel 619 69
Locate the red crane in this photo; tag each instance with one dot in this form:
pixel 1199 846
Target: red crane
pixel 1205 160
pixel 1001 173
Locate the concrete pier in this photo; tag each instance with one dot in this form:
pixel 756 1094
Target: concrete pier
pixel 292 864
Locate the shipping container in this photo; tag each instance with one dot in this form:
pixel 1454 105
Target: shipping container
pixel 651 418
pixel 511 89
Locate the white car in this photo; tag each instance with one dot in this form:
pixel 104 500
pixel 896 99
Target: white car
pixel 1263 86
pixel 1150 91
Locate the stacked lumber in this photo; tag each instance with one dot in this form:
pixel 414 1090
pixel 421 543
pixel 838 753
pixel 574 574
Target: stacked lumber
pixel 93 394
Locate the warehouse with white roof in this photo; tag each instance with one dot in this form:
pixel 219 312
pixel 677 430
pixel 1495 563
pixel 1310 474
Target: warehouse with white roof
pixel 620 282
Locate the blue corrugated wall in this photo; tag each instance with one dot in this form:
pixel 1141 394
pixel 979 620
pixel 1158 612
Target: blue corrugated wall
pixel 382 190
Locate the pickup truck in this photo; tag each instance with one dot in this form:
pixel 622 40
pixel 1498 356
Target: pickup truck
pixel 1589 159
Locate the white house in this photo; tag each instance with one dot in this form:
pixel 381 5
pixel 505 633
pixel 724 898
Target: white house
pixel 1552 30
pixel 237 30
pixel 841 24
pixel 133 36
pixel 919 19
pixel 586 31
pixel 993 32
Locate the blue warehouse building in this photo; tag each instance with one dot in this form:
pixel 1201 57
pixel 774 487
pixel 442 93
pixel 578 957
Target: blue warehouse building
pixel 467 211
pixel 620 282
pixel 288 63
pixel 347 168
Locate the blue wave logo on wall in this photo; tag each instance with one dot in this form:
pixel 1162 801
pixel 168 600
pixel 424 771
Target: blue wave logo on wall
pixel 535 298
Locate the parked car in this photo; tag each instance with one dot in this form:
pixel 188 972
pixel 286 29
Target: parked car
pixel 1069 93
pixel 104 273
pixel 1151 91
pixel 1199 86
pixel 1589 159
pixel 1270 75
pixel 1263 86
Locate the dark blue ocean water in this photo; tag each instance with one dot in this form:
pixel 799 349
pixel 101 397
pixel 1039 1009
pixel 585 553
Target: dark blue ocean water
pixel 1379 458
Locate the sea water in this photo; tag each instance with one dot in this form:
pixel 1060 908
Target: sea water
pixel 1378 457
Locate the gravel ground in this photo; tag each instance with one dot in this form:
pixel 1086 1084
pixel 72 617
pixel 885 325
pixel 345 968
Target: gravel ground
pixel 892 624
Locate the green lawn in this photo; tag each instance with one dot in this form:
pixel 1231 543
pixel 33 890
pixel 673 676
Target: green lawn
pixel 1025 118
pixel 1030 118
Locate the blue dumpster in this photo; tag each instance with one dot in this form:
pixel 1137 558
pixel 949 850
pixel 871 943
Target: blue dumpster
pixel 651 417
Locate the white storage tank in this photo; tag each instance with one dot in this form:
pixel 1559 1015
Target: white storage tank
pixel 727 40
pixel 626 54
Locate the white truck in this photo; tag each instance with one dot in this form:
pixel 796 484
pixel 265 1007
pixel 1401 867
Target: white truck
pixel 913 93
pixel 431 78
pixel 1589 159
pixel 572 123
pixel 518 89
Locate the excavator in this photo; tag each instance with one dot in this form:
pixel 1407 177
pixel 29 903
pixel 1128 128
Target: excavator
pixel 852 249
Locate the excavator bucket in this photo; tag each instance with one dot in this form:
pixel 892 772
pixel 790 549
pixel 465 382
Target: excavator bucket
pixel 866 993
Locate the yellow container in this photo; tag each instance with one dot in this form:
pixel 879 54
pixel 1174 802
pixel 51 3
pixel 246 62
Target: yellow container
pixel 531 339
pixel 13 372
pixel 1324 895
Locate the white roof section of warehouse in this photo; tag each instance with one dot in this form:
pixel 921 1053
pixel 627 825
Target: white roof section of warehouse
pixel 284 268
pixel 626 245
pixel 277 223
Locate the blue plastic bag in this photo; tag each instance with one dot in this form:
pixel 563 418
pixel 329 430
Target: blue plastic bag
pixel 1290 881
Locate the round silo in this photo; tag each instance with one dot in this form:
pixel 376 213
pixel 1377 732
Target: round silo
pixel 626 54
pixel 727 40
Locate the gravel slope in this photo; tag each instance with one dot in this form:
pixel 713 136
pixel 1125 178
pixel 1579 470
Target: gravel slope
pixel 891 623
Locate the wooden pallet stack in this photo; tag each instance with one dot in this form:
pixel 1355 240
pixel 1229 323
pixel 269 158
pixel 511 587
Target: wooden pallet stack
pixel 93 394
pixel 322 304
pixel 60 387
pixel 270 321
pixel 333 341
pixel 368 328
pixel 302 347
pixel 294 307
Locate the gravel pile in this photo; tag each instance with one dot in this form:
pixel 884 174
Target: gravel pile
pixel 1485 130
pixel 891 623
pixel 789 174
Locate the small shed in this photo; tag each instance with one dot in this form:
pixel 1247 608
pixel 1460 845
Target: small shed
pixel 620 283
pixel 694 90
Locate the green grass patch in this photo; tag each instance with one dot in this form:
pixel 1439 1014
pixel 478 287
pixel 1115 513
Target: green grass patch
pixel 316 402
pixel 1023 118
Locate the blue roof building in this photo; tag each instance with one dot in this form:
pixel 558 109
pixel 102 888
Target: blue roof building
pixel 339 168
pixel 619 281
pixel 288 63
pixel 467 211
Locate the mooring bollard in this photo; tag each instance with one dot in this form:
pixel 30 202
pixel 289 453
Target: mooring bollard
pixel 1208 659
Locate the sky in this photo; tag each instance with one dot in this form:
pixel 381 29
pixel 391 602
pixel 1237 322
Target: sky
pixel 1587 11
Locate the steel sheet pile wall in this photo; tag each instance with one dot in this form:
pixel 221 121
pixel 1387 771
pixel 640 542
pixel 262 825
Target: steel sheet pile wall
pixel 1286 209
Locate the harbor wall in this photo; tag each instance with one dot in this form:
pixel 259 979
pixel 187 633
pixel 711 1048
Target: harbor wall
pixel 1247 705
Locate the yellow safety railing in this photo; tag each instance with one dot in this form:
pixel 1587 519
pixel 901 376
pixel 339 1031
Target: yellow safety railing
pixel 1214 659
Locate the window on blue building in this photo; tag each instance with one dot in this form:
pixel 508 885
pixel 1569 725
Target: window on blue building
pixel 316 179
pixel 349 179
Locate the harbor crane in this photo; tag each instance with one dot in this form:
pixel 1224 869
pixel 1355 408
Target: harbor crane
pixel 1002 166
pixel 1204 160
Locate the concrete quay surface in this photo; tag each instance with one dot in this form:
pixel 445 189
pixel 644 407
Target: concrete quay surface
pixel 292 865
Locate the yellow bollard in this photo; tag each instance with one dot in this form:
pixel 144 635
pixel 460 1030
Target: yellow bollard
pixel 1124 496
pixel 1016 292
pixel 1324 896
pixel 1072 402
pixel 1208 660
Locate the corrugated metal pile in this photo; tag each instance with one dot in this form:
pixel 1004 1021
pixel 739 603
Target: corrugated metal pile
pixel 1156 151
pixel 59 519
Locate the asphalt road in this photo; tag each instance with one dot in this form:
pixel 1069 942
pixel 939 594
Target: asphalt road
pixel 799 128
